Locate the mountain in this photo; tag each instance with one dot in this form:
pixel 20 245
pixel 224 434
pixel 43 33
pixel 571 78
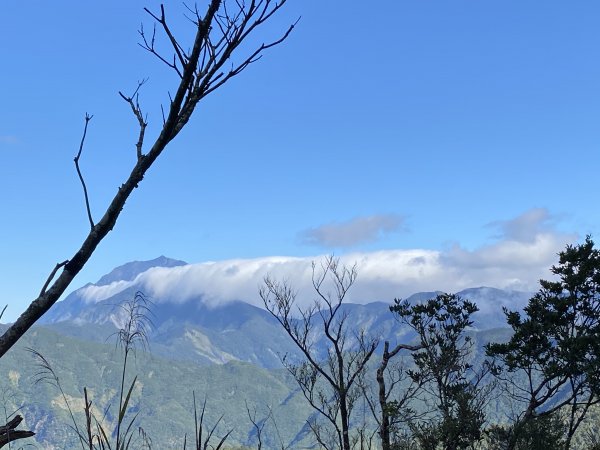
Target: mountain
pixel 130 270
pixel 491 301
pixel 75 306
pixel 230 353
pixel 198 331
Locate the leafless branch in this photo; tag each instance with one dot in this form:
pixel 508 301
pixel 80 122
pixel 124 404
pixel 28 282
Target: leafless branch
pixel 201 74
pixel 217 46
pixel 9 434
pixel 149 46
pixel 258 425
pixel 50 277
pixel 327 383
pixel 162 20
pixel 137 111
pixel 76 160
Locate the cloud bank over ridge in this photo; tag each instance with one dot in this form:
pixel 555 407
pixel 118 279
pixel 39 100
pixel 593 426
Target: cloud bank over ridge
pixel 523 254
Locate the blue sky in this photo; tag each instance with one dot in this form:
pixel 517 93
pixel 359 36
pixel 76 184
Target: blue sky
pixel 463 128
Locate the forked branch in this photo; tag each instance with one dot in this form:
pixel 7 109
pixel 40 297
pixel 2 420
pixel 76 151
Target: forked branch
pixel 137 112
pixel 51 276
pixel 220 32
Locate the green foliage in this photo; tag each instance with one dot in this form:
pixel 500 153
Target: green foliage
pixel 540 433
pixel 443 368
pixel 556 344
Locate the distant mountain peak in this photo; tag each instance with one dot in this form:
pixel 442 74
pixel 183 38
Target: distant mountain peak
pixel 130 270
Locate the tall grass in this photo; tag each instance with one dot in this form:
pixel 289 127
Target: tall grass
pixel 93 434
pixel 202 435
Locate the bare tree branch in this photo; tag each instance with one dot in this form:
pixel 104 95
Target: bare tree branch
pixel 76 160
pixel 9 434
pixel 149 46
pixel 199 76
pixel 328 383
pixel 51 276
pixel 181 56
pixel 257 424
pixel 137 111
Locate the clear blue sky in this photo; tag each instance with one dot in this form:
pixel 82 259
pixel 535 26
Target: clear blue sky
pixel 376 126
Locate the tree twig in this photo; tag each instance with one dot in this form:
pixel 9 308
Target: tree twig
pixel 137 111
pixel 51 276
pixel 88 117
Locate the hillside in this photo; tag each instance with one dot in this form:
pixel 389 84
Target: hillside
pixel 163 396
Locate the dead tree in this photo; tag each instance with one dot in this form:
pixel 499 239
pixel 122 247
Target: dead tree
pixel 328 381
pixel 202 66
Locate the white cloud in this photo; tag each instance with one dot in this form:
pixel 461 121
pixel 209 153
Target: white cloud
pixel 382 275
pixel 527 226
pixel 525 249
pixel 352 232
pixel 94 294
pixel 513 262
pixel 223 281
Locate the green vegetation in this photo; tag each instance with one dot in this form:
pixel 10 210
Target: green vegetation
pixel 556 345
pixel 444 373
pixel 162 393
pixel 441 392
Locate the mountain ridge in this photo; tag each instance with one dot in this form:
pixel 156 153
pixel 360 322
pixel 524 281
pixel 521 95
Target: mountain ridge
pixel 129 270
pixel 193 329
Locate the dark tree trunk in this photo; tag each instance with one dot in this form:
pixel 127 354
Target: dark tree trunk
pixel 384 429
pixel 345 424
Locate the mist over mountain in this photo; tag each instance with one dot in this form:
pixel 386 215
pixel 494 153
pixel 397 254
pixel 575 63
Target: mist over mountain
pixel 190 327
